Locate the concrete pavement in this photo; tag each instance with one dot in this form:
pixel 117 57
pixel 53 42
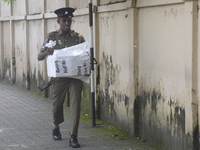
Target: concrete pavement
pixel 26 124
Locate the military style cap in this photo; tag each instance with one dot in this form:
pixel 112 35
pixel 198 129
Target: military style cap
pixel 64 12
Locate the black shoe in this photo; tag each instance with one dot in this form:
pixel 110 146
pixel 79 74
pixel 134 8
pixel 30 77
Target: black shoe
pixel 73 142
pixel 56 134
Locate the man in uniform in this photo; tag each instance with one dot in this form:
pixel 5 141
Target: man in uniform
pixel 64 37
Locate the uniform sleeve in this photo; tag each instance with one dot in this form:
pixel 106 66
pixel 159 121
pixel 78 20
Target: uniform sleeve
pixel 46 40
pixel 43 48
pixel 81 38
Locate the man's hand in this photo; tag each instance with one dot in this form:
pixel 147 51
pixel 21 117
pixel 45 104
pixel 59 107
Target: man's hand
pixel 50 51
pixel 42 55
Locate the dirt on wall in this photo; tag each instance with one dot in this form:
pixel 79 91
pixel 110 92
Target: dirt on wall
pixel 160 119
pixel 110 98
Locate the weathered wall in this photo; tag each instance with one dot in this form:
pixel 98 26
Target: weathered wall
pixel 34 47
pixel 116 86
pixel 77 5
pixel 106 2
pixel 7 55
pixel 19 47
pixel 51 5
pixel 163 89
pixel 148 74
pixel 166 74
pixel 34 10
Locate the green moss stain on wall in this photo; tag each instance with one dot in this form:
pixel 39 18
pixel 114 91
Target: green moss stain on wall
pixel 85 99
pixel 86 103
pixel 160 119
pixel 7 68
pixel 111 100
pixel 33 81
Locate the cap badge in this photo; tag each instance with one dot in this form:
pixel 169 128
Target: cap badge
pixel 66 12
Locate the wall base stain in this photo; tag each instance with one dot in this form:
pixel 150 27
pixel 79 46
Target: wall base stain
pixel 110 98
pixel 86 103
pixel 33 81
pixel 196 138
pixel 164 127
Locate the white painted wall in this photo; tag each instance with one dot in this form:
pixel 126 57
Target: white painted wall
pixel 114 39
pixel 7 51
pixel 165 65
pixel 147 53
pixel 20 53
pixel 163 56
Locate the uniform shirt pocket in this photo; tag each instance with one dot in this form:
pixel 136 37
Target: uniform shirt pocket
pixel 76 41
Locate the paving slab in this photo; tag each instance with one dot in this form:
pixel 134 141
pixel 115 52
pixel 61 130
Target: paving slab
pixel 26 124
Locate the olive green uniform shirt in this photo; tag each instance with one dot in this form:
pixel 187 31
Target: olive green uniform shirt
pixel 63 41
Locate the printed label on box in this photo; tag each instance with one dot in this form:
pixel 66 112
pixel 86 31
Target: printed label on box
pixel 72 62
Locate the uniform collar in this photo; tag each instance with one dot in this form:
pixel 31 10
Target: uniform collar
pixel 70 32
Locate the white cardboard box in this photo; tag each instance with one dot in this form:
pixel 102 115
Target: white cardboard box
pixel 72 62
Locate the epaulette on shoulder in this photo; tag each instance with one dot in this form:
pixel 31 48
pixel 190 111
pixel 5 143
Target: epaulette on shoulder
pixel 80 35
pixel 76 33
pixel 53 32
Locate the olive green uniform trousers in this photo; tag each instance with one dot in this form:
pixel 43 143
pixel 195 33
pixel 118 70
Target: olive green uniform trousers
pixel 60 87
